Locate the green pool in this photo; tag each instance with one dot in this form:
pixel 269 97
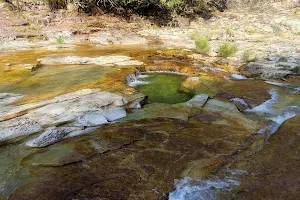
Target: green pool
pixel 164 88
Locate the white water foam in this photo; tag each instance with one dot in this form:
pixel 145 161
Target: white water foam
pixel 294 88
pixel 266 107
pixel 141 76
pixel 277 121
pixel 138 82
pixel 237 77
pixel 167 72
pixel 189 189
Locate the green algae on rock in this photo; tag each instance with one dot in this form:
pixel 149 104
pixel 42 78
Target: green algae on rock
pixel 164 88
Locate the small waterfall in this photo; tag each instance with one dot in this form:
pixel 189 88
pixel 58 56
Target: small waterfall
pixel 191 189
pixel 131 78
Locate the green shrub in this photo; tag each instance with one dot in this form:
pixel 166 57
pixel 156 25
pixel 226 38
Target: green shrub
pixel 60 41
pixel 246 56
pixel 159 10
pixel 202 43
pixel 227 50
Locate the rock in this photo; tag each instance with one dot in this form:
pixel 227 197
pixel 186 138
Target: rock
pixel 266 70
pixel 108 38
pixel 62 109
pixel 55 134
pixel 240 104
pixel 128 160
pixel 229 111
pixel 294 26
pixel 91 118
pixel 281 156
pixel 19 126
pixel 171 37
pixel 8 64
pixel 8 98
pixel 237 77
pixel 50 136
pixel 114 114
pixel 197 101
pixel 138 101
pixel 102 60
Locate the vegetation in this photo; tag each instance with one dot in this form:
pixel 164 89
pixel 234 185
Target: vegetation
pixel 246 56
pixel 227 50
pixel 160 9
pixel 202 43
pixel 60 41
pixel 57 4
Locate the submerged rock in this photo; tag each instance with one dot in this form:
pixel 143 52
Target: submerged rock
pixel 128 160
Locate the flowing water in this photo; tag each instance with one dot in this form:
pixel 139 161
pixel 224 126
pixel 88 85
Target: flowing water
pixel 20 164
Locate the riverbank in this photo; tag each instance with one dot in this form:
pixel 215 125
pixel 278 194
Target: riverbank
pixel 92 110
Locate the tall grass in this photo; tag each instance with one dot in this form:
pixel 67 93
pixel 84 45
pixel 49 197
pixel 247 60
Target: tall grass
pixel 201 43
pixel 227 50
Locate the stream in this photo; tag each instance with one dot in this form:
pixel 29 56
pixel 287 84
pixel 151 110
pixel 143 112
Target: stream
pixel 72 127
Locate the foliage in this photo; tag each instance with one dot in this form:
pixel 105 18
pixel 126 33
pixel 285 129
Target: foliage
pixel 162 9
pixel 227 50
pixel 57 4
pixel 60 41
pixel 246 56
pixel 201 42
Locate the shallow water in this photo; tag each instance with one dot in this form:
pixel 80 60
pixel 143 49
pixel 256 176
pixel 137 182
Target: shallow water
pixel 164 88
pixel 19 163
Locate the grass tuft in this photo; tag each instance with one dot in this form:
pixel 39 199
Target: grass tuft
pixel 60 41
pixel 227 50
pixel 201 42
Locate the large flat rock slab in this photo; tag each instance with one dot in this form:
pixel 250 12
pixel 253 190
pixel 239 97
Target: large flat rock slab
pixel 102 60
pixel 31 118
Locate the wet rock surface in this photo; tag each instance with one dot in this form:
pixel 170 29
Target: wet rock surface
pixel 134 160
pixel 272 172
pixel 130 148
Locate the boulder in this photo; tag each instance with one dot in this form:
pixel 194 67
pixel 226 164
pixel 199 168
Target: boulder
pixel 55 134
pixel 19 126
pixel 197 101
pixel 273 67
pixel 62 109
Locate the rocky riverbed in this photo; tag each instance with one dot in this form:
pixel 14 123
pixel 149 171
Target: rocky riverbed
pixel 116 115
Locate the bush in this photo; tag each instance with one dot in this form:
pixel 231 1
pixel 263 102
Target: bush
pixel 157 9
pixel 57 4
pixel 227 50
pixel 202 43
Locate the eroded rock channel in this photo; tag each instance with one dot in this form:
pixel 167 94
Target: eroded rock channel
pixel 125 124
